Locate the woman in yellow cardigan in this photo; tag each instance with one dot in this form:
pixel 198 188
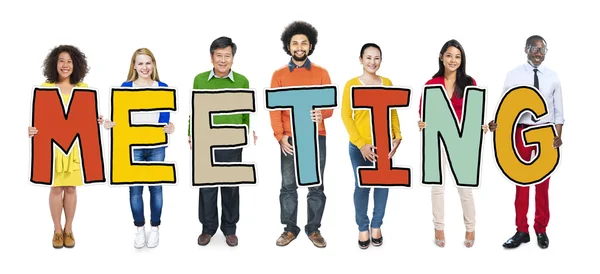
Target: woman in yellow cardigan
pixel 358 125
pixel 65 67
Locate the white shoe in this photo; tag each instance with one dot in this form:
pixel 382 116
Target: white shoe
pixel 153 237
pixel 140 237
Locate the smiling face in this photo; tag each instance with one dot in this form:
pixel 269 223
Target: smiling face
pixel 299 47
pixel 144 66
pixel 371 60
pixel 536 52
pixel 222 60
pixel 64 66
pixel 451 59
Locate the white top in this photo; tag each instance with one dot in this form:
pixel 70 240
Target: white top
pixel 145 117
pixel 549 88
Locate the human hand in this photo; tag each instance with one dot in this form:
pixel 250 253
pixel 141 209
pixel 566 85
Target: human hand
pixel 316 116
pixel 368 153
pixel 422 125
pixel 485 129
pixel 255 137
pixel 286 148
pixel 108 124
pixel 395 144
pixel 492 126
pixel 557 142
pixel 170 128
pixel 32 131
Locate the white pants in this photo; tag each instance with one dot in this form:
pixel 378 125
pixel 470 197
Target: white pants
pixel 466 200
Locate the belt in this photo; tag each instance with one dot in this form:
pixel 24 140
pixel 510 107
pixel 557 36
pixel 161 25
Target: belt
pixel 526 125
pixel 523 126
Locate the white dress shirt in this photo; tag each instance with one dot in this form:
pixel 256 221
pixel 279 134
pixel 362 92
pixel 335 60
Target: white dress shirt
pixel 549 87
pixel 145 118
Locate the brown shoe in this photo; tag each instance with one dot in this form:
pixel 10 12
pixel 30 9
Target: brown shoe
pixel 231 240
pixel 69 240
pixel 204 239
pixel 317 239
pixel 285 238
pixel 58 240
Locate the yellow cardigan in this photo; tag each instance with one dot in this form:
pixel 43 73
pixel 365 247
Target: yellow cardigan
pixel 358 122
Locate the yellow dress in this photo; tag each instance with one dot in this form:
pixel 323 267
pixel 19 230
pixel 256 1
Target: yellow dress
pixel 67 168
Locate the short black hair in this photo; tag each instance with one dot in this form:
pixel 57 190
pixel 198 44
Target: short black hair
pixel 80 66
pixel 370 45
pixel 533 38
pixel 299 27
pixel 221 43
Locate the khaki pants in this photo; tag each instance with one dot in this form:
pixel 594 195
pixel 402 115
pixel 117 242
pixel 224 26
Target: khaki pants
pixel 466 200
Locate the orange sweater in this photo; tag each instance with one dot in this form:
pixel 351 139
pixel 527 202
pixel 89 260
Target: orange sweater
pixel 280 119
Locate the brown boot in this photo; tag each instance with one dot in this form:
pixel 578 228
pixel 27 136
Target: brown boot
pixel 69 240
pixel 58 240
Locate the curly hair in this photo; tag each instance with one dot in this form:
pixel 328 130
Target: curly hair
pixel 80 67
pixel 299 27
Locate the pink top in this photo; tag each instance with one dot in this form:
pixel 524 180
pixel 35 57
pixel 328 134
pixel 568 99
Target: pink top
pixel 457 103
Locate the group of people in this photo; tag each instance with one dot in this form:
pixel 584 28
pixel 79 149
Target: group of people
pixel 66 67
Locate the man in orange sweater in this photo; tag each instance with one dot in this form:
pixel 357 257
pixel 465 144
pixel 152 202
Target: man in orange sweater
pixel 299 41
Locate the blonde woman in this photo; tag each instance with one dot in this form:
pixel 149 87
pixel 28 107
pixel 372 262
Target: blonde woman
pixel 144 73
pixel 358 125
pixel 65 67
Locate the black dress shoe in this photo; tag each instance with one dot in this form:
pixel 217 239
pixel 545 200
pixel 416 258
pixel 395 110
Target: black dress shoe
pixel 542 239
pixel 517 240
pixel 364 244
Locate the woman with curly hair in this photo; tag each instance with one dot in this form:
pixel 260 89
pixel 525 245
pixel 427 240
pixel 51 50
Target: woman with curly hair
pixel 65 67
pixel 144 73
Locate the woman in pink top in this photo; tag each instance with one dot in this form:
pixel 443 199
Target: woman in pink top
pixel 453 76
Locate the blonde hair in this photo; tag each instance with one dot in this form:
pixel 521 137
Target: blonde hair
pixel 133 75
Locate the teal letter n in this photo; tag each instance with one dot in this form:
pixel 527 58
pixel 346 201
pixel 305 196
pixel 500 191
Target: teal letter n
pixel 462 142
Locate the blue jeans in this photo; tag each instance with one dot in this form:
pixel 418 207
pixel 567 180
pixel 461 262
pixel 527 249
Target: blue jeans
pixel 288 197
pixel 361 195
pixel 136 199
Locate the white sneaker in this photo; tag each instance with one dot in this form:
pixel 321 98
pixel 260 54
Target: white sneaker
pixel 153 237
pixel 140 237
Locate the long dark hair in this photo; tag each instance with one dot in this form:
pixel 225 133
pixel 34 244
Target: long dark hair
pixel 462 78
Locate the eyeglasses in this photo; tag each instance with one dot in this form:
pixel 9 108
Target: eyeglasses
pixel 536 49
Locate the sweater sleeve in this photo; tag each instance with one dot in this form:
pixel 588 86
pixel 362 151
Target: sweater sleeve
pixel 275 115
pixel 246 116
pixel 347 118
pixel 165 116
pixel 325 80
pixel 194 86
pixel 395 122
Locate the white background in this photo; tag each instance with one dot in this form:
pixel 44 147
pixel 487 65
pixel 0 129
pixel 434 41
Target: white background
pixel 410 34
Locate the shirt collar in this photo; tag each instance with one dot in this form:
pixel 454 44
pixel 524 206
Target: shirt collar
pixel 529 67
pixel 212 74
pixel 292 65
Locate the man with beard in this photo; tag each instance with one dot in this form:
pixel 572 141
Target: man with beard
pixel 299 41
pixel 547 83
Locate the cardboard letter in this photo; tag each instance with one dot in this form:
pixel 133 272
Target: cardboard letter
pixel 75 124
pixel 206 137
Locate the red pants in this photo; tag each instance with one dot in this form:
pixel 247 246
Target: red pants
pixel 542 211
